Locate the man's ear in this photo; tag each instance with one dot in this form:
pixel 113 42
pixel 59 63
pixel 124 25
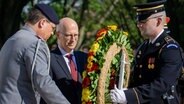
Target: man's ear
pixel 159 21
pixel 57 34
pixel 41 23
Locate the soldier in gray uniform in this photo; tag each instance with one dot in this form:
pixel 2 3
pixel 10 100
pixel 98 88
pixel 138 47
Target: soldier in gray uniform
pixel 25 62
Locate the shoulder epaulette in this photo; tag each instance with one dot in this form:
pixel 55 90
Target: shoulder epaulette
pixel 169 39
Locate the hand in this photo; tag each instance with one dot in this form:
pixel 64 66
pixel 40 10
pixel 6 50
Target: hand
pixel 118 96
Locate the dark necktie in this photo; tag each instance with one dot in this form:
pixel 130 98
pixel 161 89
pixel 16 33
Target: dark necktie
pixel 72 67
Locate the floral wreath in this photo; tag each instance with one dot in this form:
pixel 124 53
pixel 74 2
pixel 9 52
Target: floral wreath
pixel 104 54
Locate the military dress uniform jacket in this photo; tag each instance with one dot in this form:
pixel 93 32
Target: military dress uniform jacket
pixel 16 59
pixel 157 67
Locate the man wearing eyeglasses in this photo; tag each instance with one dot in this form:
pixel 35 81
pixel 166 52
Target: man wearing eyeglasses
pixel 67 64
pixel 157 63
pixel 25 62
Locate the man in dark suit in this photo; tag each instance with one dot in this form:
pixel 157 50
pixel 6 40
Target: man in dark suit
pixel 158 61
pixel 68 81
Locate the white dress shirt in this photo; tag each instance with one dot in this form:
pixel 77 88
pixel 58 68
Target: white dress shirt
pixel 64 54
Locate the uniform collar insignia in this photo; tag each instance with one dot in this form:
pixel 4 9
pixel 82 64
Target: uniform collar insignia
pixel 157 44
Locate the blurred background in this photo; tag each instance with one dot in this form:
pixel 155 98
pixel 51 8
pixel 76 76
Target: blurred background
pixel 91 15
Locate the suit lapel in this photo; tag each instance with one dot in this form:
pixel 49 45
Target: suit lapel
pixel 62 63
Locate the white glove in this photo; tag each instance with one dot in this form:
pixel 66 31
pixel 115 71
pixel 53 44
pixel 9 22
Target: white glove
pixel 118 96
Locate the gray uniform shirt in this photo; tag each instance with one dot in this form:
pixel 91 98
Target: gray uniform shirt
pixel 16 59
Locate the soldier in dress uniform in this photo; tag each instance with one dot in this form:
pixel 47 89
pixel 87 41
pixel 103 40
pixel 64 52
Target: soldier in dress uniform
pixel 158 61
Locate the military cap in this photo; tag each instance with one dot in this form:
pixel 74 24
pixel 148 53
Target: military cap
pixel 48 12
pixel 147 9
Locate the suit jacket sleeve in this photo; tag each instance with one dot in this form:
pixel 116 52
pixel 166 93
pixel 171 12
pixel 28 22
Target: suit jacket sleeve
pixel 41 79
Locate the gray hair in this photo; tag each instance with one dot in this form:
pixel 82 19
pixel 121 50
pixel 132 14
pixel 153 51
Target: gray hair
pixel 161 15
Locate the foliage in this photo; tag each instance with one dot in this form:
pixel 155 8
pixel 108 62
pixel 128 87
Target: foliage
pixel 94 14
pixel 90 15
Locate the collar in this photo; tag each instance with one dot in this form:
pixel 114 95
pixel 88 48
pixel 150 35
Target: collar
pixel 30 29
pixel 152 41
pixel 63 52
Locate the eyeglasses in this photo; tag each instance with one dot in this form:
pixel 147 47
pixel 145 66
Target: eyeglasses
pixel 146 20
pixel 70 35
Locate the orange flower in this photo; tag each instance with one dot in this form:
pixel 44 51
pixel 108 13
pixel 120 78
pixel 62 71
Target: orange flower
pixel 101 33
pixel 90 59
pixel 89 65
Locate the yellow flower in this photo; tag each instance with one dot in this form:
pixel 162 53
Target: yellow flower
pixel 90 59
pixel 100 37
pixel 85 94
pixel 95 47
pixel 112 27
pixel 84 74
pixel 90 50
pixel 89 65
pixel 126 33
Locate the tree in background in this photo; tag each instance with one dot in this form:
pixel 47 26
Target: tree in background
pixel 91 15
